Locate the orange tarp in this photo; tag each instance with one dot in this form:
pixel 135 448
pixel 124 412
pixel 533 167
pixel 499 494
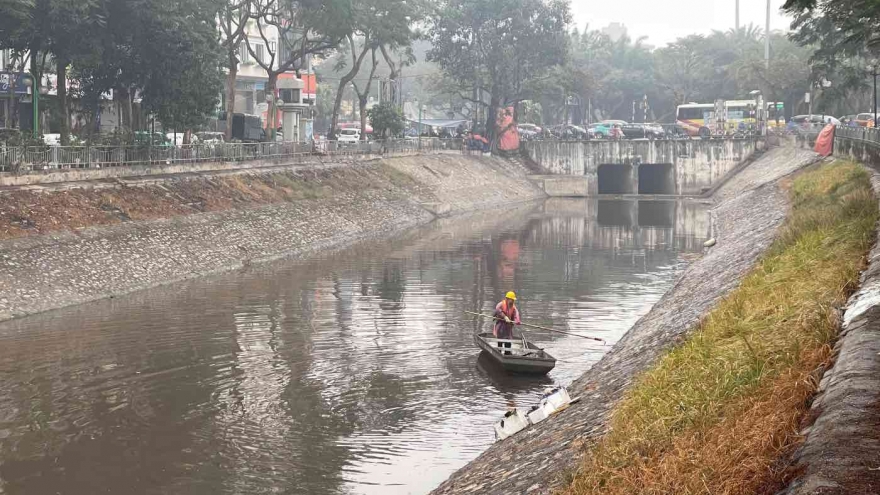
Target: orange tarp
pixel 508 136
pixel 825 141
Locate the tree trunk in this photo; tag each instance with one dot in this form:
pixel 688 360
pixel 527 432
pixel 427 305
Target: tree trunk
pixel 123 98
pixel 63 103
pixel 347 78
pixel 271 119
pixel 492 117
pixel 362 105
pixel 35 89
pixel 364 97
pixel 230 94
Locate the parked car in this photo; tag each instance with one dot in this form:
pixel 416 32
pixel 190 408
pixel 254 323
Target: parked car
pixel 642 131
pixel 600 130
pixel 865 119
pixel 529 131
pixel 52 139
pixel 206 137
pixel 348 136
pixel 145 138
pixel 570 131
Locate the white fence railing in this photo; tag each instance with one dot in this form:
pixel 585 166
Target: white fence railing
pixel 871 134
pixel 45 158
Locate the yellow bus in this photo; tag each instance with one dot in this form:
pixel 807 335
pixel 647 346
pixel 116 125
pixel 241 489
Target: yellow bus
pixel 698 119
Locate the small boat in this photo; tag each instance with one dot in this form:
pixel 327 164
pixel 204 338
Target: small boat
pixel 521 357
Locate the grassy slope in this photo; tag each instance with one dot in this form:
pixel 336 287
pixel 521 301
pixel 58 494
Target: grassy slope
pixel 720 413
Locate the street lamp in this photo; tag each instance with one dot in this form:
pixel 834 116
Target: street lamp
pixel 420 124
pixel 874 72
pixel 30 83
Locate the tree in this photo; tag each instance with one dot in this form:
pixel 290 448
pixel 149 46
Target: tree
pixel 387 120
pixel 376 25
pixel 498 47
pixel 184 82
pixel 233 23
pixel 856 22
pixel 844 41
pixel 304 27
pixel 59 28
pixel 681 68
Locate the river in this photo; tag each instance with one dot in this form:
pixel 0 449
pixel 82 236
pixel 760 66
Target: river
pixel 350 372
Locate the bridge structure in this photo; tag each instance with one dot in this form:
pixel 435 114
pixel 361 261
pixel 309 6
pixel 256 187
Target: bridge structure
pixel 681 167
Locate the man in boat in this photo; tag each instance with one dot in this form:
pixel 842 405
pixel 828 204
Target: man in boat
pixel 507 316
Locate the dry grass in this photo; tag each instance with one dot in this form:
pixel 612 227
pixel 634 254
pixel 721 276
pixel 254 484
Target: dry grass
pixel 24 213
pixel 719 414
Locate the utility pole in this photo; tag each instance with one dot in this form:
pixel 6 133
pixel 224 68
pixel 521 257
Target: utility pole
pixel 767 40
pixel 737 16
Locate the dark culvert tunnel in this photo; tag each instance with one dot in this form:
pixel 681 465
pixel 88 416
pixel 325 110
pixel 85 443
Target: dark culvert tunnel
pixel 616 179
pixel 656 178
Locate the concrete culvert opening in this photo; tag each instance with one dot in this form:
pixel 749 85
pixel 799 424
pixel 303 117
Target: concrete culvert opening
pixel 657 214
pixel 656 178
pixel 616 179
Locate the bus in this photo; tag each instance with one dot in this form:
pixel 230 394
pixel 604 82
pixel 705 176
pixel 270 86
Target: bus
pixel 698 119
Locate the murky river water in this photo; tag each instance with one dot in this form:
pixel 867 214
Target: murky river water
pixel 354 372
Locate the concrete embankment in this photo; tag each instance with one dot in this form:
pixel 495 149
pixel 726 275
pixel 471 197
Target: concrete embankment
pixel 65 247
pixel 750 208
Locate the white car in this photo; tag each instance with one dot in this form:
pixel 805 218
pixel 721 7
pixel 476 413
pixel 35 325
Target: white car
pixel 349 136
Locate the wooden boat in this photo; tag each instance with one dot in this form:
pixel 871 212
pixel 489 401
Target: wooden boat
pixel 521 357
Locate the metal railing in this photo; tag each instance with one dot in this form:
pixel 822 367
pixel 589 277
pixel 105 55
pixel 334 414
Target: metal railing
pixel 48 158
pixel 871 134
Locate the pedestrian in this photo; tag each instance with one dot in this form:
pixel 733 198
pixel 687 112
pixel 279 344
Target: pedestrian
pixel 507 315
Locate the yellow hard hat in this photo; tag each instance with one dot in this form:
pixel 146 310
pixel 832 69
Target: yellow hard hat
pixel 511 295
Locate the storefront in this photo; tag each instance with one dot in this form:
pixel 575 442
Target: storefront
pixel 16 110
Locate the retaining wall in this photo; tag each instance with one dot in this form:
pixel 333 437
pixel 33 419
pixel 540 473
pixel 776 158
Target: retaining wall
pixel 40 273
pixel 574 167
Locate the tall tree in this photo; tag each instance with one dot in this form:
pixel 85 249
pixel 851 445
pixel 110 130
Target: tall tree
pixel 304 28
pixel 363 95
pixel 498 47
pixel 682 66
pixel 233 18
pixel 376 25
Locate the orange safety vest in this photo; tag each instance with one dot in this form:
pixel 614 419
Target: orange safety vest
pixel 510 312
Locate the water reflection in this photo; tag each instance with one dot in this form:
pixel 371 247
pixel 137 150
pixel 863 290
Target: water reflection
pixel 352 373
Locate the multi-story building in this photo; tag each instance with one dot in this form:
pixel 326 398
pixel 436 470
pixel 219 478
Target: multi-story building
pixel 251 79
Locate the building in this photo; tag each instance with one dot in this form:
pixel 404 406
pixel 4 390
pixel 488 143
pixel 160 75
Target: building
pixel 252 78
pixel 615 31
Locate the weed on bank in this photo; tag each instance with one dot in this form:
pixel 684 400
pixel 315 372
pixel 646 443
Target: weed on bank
pixel 720 413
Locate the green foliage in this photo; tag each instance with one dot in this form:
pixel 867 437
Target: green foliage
pixel 183 78
pixel 499 47
pixel 610 75
pixel 387 120
pixel 844 40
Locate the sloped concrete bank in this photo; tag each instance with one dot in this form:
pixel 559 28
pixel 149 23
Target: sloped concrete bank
pixel 67 267
pixel 841 451
pixel 750 208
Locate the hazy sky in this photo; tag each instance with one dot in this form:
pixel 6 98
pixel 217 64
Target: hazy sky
pixel 664 21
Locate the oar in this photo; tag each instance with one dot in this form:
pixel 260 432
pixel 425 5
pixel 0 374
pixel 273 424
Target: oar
pixel 537 327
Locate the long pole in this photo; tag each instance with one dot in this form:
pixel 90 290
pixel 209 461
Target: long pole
pixel 875 96
pixel 737 16
pixel 36 109
pixel 810 110
pixel 537 327
pixel 767 40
